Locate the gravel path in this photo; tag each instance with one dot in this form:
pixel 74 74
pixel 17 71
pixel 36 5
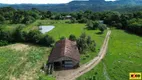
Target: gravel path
pixel 75 73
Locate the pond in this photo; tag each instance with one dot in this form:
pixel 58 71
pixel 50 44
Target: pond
pixel 44 29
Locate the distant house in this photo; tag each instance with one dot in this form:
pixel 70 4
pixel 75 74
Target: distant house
pixel 65 55
pixel 68 17
pixel 101 21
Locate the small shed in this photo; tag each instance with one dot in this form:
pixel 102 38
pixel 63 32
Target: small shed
pixel 65 55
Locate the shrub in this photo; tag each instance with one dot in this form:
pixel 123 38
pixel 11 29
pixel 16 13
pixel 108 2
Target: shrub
pixel 72 37
pixel 3 43
pixel 47 41
pixel 62 38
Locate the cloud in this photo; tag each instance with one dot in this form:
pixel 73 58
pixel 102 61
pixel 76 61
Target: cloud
pixel 34 1
pixel 110 0
pixel 37 1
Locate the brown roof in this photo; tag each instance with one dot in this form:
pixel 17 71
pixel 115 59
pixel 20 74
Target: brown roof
pixel 64 48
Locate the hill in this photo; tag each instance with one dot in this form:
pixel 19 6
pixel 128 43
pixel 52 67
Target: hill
pixel 100 5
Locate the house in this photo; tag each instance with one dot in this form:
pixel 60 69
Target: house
pixel 65 55
pixel 101 21
pixel 68 17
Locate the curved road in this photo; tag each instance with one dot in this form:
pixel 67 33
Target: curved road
pixel 75 73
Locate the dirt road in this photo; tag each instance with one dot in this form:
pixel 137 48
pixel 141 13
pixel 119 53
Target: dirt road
pixel 75 73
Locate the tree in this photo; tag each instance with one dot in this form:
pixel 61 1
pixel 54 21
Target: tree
pixel 2 19
pixel 17 33
pixel 28 20
pixel 34 36
pixel 85 43
pixel 81 43
pixel 102 27
pixel 90 25
pixel 72 37
pixel 73 20
pixel 93 25
pixel 47 40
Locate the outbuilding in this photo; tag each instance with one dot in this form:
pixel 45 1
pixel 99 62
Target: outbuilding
pixel 65 55
pixel 68 17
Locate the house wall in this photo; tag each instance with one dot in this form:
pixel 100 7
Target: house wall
pixel 65 63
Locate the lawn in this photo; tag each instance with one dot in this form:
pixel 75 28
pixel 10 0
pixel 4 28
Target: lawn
pixel 124 56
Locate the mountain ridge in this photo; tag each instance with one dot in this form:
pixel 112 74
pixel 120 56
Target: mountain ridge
pixel 73 6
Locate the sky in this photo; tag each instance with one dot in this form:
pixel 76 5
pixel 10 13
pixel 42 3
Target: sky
pixel 36 1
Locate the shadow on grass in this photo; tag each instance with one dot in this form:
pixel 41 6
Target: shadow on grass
pixel 99 33
pixel 132 33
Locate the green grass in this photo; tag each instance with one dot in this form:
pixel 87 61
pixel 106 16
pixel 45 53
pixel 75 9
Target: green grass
pixel 124 56
pixel 46 77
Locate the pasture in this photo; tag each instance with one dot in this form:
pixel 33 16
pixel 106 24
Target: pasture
pixel 124 56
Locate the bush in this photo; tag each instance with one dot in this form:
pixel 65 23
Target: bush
pixel 47 41
pixel 3 43
pixel 62 38
pixel 72 37
pixel 34 36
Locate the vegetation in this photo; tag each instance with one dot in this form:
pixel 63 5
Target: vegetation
pixel 18 59
pixel 30 56
pixel 33 36
pixel 64 30
pixel 123 57
pixel 22 26
pixel 72 37
pixel 74 6
pixel 85 43
pixel 127 21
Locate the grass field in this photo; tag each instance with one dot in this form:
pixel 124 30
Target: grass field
pixel 124 56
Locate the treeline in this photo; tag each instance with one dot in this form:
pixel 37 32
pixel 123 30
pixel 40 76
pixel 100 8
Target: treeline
pixel 18 35
pixel 14 16
pixel 131 22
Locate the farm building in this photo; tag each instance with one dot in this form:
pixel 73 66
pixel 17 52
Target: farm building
pixel 68 17
pixel 65 55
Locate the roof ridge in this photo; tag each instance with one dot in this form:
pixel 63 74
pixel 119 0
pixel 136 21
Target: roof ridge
pixel 64 47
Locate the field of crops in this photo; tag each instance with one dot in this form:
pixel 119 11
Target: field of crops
pixel 124 56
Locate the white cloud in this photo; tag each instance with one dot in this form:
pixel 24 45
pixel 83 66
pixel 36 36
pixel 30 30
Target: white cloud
pixel 110 0
pixel 37 1
pixel 34 1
